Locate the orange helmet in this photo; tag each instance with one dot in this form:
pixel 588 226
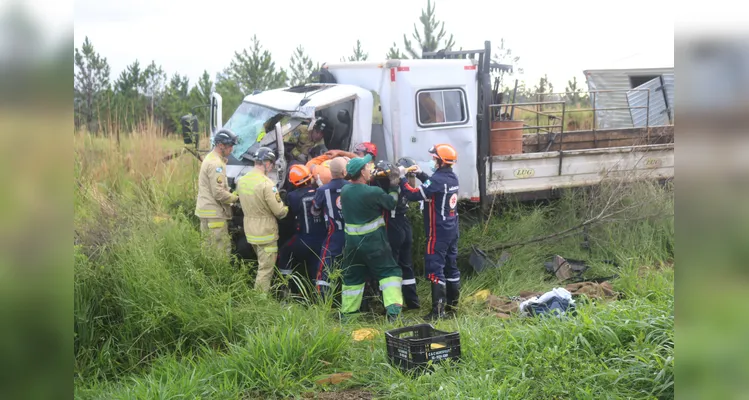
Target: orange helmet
pixel 366 148
pixel 444 153
pixel 299 175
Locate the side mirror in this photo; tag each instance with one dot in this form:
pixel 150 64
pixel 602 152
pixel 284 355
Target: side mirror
pixel 344 117
pixel 190 127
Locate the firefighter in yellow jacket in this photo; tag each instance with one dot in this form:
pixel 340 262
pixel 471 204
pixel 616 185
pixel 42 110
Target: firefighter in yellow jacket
pixel 262 205
pixel 214 198
pixel 307 137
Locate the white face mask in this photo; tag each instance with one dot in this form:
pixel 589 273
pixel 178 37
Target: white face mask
pixel 433 165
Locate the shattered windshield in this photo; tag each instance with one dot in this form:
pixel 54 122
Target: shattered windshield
pixel 247 123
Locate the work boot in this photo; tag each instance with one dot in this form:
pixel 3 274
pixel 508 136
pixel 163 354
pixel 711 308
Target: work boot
pixel 438 302
pixel 392 312
pixel 453 295
pixel 410 297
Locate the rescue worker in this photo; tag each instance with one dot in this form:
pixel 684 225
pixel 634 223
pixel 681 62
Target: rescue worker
pixel 320 164
pixel 399 230
pixel 213 205
pixel 262 205
pixel 440 195
pixel 367 249
pixel 305 138
pixel 327 201
pixel 304 247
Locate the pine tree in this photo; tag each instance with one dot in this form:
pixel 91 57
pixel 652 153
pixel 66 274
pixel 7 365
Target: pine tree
pixel 175 103
pixel 431 37
pixel 359 54
pixel 504 55
pixel 255 70
pixel 90 82
pixel 301 67
pixel 153 82
pixel 395 54
pixel 200 94
pixel 573 93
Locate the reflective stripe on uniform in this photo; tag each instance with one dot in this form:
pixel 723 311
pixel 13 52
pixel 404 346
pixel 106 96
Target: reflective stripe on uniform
pixel 351 297
pixel 409 282
pixel 453 279
pixel 260 239
pixel 322 283
pixel 390 281
pixel 219 224
pixel 391 290
pixel 271 249
pixel 363 229
pixel 206 213
pixel 286 272
pixel 444 198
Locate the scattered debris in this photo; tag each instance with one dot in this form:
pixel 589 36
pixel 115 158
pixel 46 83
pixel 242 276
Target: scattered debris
pixel 569 270
pixel 364 334
pixel 565 269
pixel 481 295
pixel 334 378
pixel 505 306
pixel 593 290
pixel 556 301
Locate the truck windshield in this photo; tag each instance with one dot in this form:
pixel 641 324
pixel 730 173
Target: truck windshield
pixel 247 123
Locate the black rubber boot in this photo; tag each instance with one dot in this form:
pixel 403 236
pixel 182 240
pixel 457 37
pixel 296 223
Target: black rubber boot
pixel 438 302
pixel 453 295
pixel 410 297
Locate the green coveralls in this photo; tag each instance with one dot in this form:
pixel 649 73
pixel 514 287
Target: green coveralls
pixel 367 247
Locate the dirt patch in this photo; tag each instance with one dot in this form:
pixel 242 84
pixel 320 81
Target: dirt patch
pixel 352 394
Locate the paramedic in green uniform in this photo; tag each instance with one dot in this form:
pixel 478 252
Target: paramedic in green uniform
pixel 367 248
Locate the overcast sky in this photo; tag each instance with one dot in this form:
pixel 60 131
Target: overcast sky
pixel 559 38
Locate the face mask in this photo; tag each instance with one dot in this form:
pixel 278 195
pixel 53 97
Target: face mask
pixel 433 165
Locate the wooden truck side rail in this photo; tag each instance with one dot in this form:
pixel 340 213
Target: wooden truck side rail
pixel 533 172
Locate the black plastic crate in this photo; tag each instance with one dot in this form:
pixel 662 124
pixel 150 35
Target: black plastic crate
pixel 412 347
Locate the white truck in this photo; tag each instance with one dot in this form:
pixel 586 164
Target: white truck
pixel 406 106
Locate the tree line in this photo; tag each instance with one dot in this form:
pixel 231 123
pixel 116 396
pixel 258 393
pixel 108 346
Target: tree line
pixel 143 95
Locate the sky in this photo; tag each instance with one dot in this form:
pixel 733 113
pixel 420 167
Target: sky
pixel 557 38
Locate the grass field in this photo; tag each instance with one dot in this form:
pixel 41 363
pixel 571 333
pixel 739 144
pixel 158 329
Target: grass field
pixel 156 316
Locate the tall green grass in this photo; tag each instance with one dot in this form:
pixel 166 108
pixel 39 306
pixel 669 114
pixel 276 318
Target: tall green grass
pixel 158 316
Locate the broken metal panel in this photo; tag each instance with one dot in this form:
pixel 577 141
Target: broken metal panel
pixel 668 87
pixel 619 80
pixel 640 103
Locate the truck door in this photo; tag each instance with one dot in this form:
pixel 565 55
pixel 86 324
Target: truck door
pixel 436 104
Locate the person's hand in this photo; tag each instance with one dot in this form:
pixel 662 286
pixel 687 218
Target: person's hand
pixel 414 169
pixel 303 158
pixel 402 171
pixel 333 153
pixel 318 180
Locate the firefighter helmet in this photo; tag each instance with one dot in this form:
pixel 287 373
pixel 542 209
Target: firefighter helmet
pixel 445 153
pixel 299 175
pixel 264 154
pixel 225 136
pixel 406 162
pixel 366 148
pixel 383 168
